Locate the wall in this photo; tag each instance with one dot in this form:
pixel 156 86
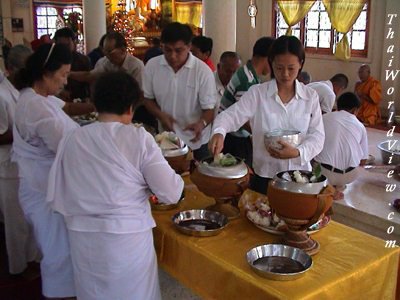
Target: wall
pixel 221 22
pixel 17 9
pixel 323 67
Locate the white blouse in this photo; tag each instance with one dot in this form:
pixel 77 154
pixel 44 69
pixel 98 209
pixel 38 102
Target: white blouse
pixel 103 175
pixel 262 106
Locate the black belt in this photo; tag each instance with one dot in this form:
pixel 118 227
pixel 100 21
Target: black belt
pixel 333 169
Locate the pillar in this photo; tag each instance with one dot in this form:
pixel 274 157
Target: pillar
pixel 219 23
pixel 94 19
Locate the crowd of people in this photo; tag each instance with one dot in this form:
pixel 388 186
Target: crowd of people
pixel 77 197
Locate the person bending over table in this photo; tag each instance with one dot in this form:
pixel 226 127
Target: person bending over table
pixel 282 103
pixel 239 143
pixel 108 215
pixel 40 123
pixel 346 144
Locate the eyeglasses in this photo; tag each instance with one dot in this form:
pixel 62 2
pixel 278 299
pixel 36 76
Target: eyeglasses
pixel 113 51
pixel 49 54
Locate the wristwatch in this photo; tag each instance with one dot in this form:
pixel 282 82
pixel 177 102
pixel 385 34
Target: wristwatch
pixel 204 122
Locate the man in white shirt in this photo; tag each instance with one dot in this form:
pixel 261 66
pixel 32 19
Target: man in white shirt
pixel 346 143
pixel 328 90
pixel 179 90
pixel 229 62
pixel 20 243
pixel 116 58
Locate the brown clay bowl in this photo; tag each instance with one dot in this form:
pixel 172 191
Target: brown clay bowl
pixel 298 205
pixel 220 187
pixel 179 163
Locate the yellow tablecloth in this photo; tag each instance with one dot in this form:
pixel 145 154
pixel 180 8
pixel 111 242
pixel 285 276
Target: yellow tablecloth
pixel 350 264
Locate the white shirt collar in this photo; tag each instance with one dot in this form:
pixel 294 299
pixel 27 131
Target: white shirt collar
pixel 299 94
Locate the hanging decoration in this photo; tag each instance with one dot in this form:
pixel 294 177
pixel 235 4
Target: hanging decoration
pixel 252 11
pixel 122 22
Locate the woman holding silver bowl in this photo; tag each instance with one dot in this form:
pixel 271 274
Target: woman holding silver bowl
pixel 280 104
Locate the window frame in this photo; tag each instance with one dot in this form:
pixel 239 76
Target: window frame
pixel 325 51
pixel 60 13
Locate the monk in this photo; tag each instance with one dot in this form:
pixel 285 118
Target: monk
pixel 369 90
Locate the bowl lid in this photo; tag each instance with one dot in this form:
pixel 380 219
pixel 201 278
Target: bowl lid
pixel 230 172
pixel 175 152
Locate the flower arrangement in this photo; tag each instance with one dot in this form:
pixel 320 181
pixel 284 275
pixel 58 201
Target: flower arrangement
pixel 74 21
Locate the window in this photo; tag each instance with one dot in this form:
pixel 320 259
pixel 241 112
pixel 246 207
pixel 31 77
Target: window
pixel 317 34
pixel 46 20
pixel 50 17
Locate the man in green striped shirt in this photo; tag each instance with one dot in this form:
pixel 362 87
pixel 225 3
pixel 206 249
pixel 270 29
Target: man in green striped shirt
pixel 239 143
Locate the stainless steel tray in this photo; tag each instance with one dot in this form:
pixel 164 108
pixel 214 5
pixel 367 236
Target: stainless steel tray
pixel 279 262
pixel 200 222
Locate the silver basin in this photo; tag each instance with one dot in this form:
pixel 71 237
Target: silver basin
pixel 290 136
pixel 279 262
pixel 297 187
pixel 386 153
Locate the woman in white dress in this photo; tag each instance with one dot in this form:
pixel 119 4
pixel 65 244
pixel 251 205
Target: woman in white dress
pixel 40 123
pixel 282 103
pixel 101 181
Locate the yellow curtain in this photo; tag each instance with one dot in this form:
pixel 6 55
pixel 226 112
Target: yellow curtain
pixel 188 13
pixel 294 11
pixel 343 14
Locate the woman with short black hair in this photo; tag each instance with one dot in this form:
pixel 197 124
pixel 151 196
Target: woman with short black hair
pixel 40 123
pixel 104 196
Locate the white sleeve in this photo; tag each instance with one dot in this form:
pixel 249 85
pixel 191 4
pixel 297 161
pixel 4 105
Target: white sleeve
pixel 3 117
pixel 207 90
pixel 364 143
pixel 48 126
pixel 236 115
pixel 57 100
pixel 138 73
pixel 148 81
pixel 160 177
pixel 314 140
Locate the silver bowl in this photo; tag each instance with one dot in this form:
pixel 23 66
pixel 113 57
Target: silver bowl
pixel 230 172
pixel 386 153
pixel 290 136
pixel 279 262
pixel 297 187
pixel 200 222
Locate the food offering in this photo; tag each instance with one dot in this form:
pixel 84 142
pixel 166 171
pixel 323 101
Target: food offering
pixel 87 119
pixel 223 178
pixel 174 150
pixel 300 203
pixel 259 212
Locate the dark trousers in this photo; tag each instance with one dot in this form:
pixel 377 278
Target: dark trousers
pixel 201 153
pixel 259 184
pixel 239 147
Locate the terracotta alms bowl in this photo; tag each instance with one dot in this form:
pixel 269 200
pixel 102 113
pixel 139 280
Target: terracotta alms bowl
pixel 179 163
pixel 298 205
pixel 220 187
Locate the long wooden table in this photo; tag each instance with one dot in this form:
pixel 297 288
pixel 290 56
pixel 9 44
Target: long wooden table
pixel 350 264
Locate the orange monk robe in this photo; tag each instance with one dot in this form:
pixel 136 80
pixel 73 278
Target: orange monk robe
pixel 369 111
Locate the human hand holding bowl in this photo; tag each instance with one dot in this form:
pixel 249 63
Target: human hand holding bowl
pixel 286 150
